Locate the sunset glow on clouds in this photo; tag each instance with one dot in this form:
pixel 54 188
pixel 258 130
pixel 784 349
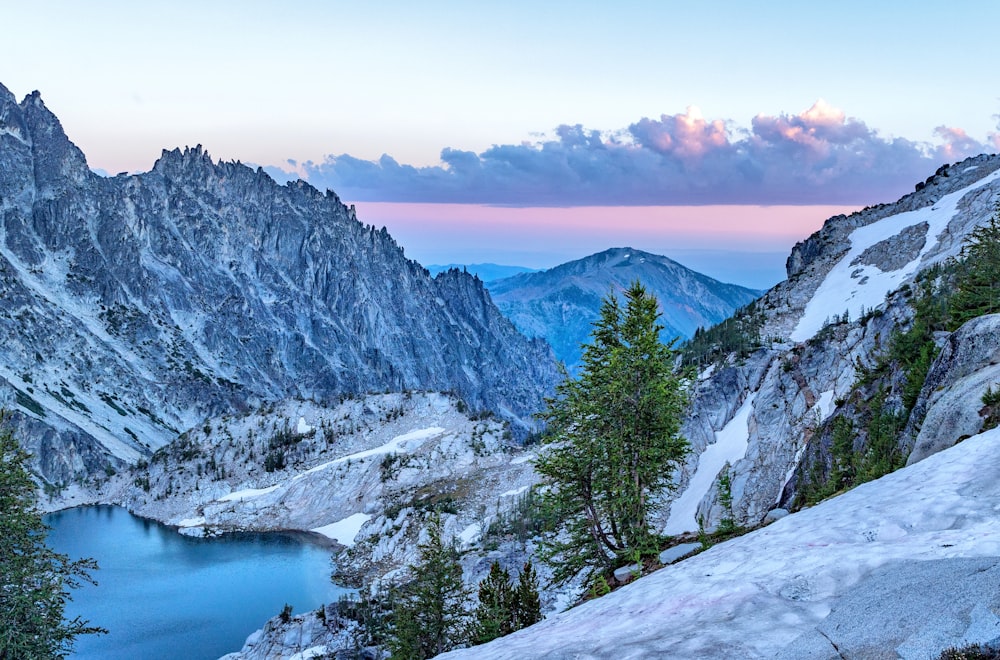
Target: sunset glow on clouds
pixel 819 156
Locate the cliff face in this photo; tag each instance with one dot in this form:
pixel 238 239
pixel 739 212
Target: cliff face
pixel 133 307
pixel 851 285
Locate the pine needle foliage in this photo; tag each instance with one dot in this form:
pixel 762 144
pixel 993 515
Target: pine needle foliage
pixel 613 440
pixel 429 615
pixel 34 580
pixel 503 606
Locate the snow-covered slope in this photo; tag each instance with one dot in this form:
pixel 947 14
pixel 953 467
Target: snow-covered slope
pixel 769 592
pixel 846 295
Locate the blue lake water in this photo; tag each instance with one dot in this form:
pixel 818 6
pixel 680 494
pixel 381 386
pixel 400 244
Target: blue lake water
pixel 163 595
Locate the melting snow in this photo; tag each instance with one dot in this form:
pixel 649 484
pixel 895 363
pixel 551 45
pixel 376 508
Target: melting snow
pixel 344 531
pixel 398 444
pixel 516 491
pixel 754 595
pixel 860 287
pixel 470 533
pixel 247 494
pixel 730 446
pixel 303 428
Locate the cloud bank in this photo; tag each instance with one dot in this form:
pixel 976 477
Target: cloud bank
pixel 819 156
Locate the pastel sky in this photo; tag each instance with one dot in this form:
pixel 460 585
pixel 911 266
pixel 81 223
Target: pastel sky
pixel 536 132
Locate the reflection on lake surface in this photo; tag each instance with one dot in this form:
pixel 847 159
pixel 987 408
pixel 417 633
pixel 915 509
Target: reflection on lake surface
pixel 163 595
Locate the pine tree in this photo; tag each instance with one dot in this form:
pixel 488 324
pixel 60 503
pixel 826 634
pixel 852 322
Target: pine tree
pixel 613 440
pixel 34 580
pixel 494 615
pixel 429 612
pixel 979 279
pixel 527 605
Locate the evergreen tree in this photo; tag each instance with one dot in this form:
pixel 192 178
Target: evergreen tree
pixel 979 279
pixel 527 605
pixel 429 613
pixel 612 440
pixel 494 617
pixel 34 580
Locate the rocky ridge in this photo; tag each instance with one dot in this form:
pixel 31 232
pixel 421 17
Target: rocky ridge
pixel 848 291
pixel 135 307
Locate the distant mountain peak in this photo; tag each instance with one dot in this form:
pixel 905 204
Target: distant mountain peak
pixel 561 303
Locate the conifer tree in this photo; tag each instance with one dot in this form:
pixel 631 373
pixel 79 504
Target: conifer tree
pixel 494 615
pixel 34 580
pixel 613 440
pixel 979 277
pixel 429 615
pixel 527 605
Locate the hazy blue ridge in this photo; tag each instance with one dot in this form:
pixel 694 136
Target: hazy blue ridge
pixel 486 272
pixel 561 303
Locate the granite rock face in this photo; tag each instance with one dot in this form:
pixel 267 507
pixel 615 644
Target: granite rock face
pixel 800 377
pixel 136 306
pixel 951 401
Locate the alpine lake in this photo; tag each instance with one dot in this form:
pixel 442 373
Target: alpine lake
pixel 164 595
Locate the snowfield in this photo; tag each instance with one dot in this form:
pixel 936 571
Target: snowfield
pixel 730 446
pixel 768 593
pixel 344 531
pixel 857 287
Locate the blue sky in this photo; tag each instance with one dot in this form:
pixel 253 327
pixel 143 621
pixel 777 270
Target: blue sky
pixel 528 104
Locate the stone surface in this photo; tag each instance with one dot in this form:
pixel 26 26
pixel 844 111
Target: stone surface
pixel 672 554
pixel 950 402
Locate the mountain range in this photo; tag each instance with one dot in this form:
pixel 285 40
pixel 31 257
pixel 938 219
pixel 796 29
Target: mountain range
pixel 136 306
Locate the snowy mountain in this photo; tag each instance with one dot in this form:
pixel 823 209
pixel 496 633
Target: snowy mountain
pixel 561 304
pixel 824 356
pixel 135 307
pixel 902 567
pixel 486 272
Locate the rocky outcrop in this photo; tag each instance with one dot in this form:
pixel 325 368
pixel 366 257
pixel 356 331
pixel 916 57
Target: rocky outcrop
pixel 846 295
pixel 951 402
pixel 877 572
pixel 134 307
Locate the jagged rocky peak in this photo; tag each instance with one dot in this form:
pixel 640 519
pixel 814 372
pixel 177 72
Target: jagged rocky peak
pixel 135 306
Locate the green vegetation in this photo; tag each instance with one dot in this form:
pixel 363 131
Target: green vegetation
pixel 503 606
pixel 429 612
pixel 971 652
pixel 34 580
pixel 738 335
pixel 613 441
pixel 943 298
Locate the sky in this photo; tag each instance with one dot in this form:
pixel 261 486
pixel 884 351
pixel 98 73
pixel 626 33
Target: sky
pixel 536 132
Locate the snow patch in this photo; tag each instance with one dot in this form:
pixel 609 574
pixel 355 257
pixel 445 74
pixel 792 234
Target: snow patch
pixel 824 405
pixel 856 288
pixel 192 522
pixel 247 494
pixel 522 459
pixel 470 533
pixel 303 428
pixel 344 531
pixel 399 444
pixel 730 446
pixel 755 595
pixel 516 491
pixel 310 653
